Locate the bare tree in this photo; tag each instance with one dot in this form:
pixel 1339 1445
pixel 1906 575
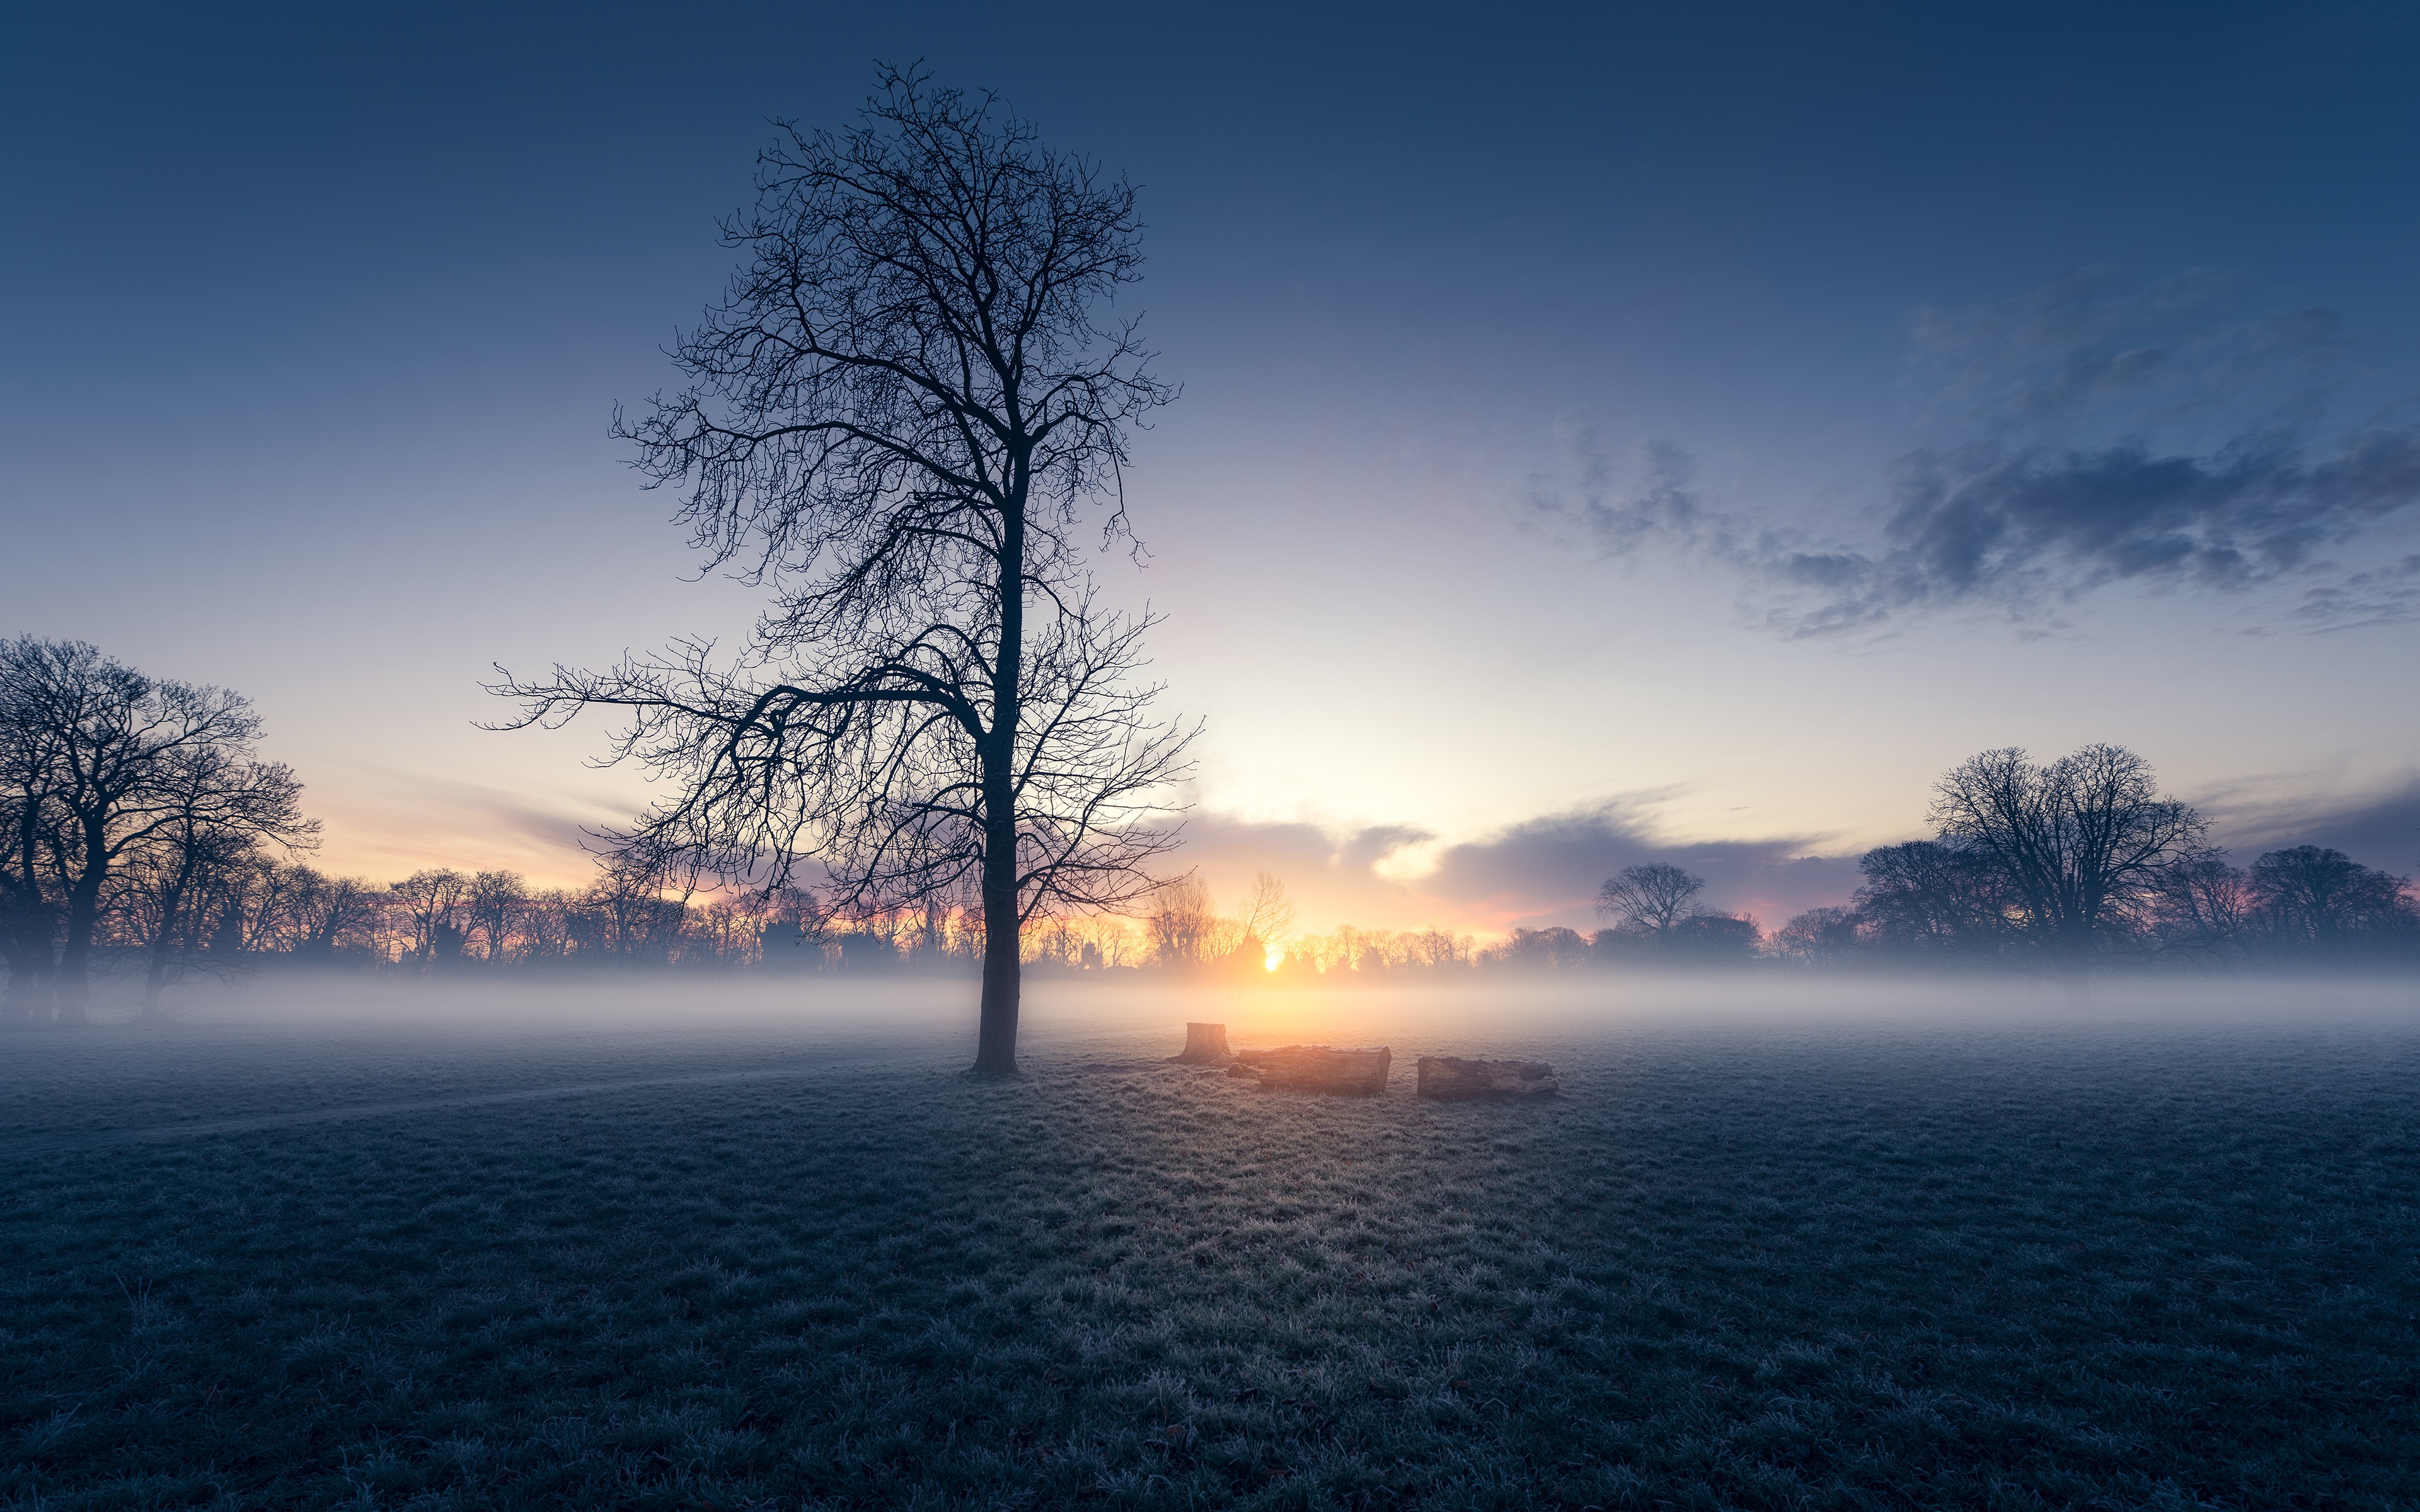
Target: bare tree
pixel 1653 897
pixel 109 756
pixel 896 420
pixel 1820 937
pixel 2202 911
pixel 1184 926
pixel 219 812
pixel 322 915
pixel 548 926
pixel 628 918
pixel 1922 897
pixel 2083 843
pixel 432 899
pixel 2321 907
pixel 495 901
pixel 1269 914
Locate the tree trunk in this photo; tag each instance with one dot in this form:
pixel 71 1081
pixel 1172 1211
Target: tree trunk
pixel 996 1033
pixel 74 979
pixel 1205 1044
pixel 1315 1068
pixel 1452 1079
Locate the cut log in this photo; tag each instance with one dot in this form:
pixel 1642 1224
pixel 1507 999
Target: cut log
pixel 1453 1079
pixel 1205 1044
pixel 1315 1068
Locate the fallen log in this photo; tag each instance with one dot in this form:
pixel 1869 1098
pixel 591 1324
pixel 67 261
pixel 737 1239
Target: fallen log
pixel 1205 1044
pixel 1315 1068
pixel 1453 1079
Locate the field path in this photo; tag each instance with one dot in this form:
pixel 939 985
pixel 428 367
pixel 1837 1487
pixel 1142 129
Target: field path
pixel 163 1132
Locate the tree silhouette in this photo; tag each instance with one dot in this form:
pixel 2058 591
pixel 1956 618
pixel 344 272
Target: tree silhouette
pixel 183 890
pixel 106 765
pixel 898 419
pixel 2320 905
pixel 2082 842
pixel 1653 897
pixel 1928 899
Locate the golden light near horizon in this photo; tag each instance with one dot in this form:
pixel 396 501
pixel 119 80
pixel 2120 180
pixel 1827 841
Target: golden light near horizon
pixel 1272 959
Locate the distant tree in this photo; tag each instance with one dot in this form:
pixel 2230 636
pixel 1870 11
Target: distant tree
pixel 181 892
pixel 1653 898
pixel 2202 912
pixel 432 899
pixel 1268 916
pixel 319 916
pixel 1715 939
pixel 2083 843
pixel 1939 903
pixel 1433 949
pixel 628 916
pixel 550 926
pixel 1184 927
pixel 897 418
pixel 2322 907
pixel 1553 948
pixel 104 762
pixel 1820 937
pixel 494 901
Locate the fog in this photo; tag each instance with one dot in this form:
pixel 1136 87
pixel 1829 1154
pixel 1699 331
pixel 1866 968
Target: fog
pixel 1062 1016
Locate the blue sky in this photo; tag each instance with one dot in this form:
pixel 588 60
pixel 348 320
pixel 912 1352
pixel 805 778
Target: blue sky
pixel 1607 432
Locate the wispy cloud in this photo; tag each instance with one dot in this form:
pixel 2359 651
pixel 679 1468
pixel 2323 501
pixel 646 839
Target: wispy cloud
pixel 2381 827
pixel 2102 435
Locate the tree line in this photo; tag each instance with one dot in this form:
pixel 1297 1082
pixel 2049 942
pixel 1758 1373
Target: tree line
pixel 2062 868
pixel 145 840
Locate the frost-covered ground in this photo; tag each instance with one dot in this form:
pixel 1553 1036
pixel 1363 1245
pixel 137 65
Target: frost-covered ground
pixel 564 1247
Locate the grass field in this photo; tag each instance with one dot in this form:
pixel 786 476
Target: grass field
pixel 1852 1265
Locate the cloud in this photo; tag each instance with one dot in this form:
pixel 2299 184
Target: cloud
pixel 2379 828
pixel 1541 872
pixel 2154 437
pixel 388 823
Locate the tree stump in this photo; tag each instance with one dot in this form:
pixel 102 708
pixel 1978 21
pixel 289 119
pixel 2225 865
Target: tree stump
pixel 1452 1079
pixel 1315 1068
pixel 1205 1044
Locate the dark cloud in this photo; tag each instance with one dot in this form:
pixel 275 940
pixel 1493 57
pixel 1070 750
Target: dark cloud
pixel 2381 829
pixel 1983 524
pixel 2148 436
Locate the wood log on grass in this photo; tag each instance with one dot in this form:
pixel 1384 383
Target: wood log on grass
pixel 1205 1044
pixel 1453 1079
pixel 1315 1068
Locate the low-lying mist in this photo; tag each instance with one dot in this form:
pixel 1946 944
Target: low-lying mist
pixel 1066 1015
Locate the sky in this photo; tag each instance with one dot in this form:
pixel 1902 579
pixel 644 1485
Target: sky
pixel 1608 433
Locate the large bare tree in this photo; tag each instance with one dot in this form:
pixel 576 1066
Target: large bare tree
pixel 116 757
pixel 2082 842
pixel 905 418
